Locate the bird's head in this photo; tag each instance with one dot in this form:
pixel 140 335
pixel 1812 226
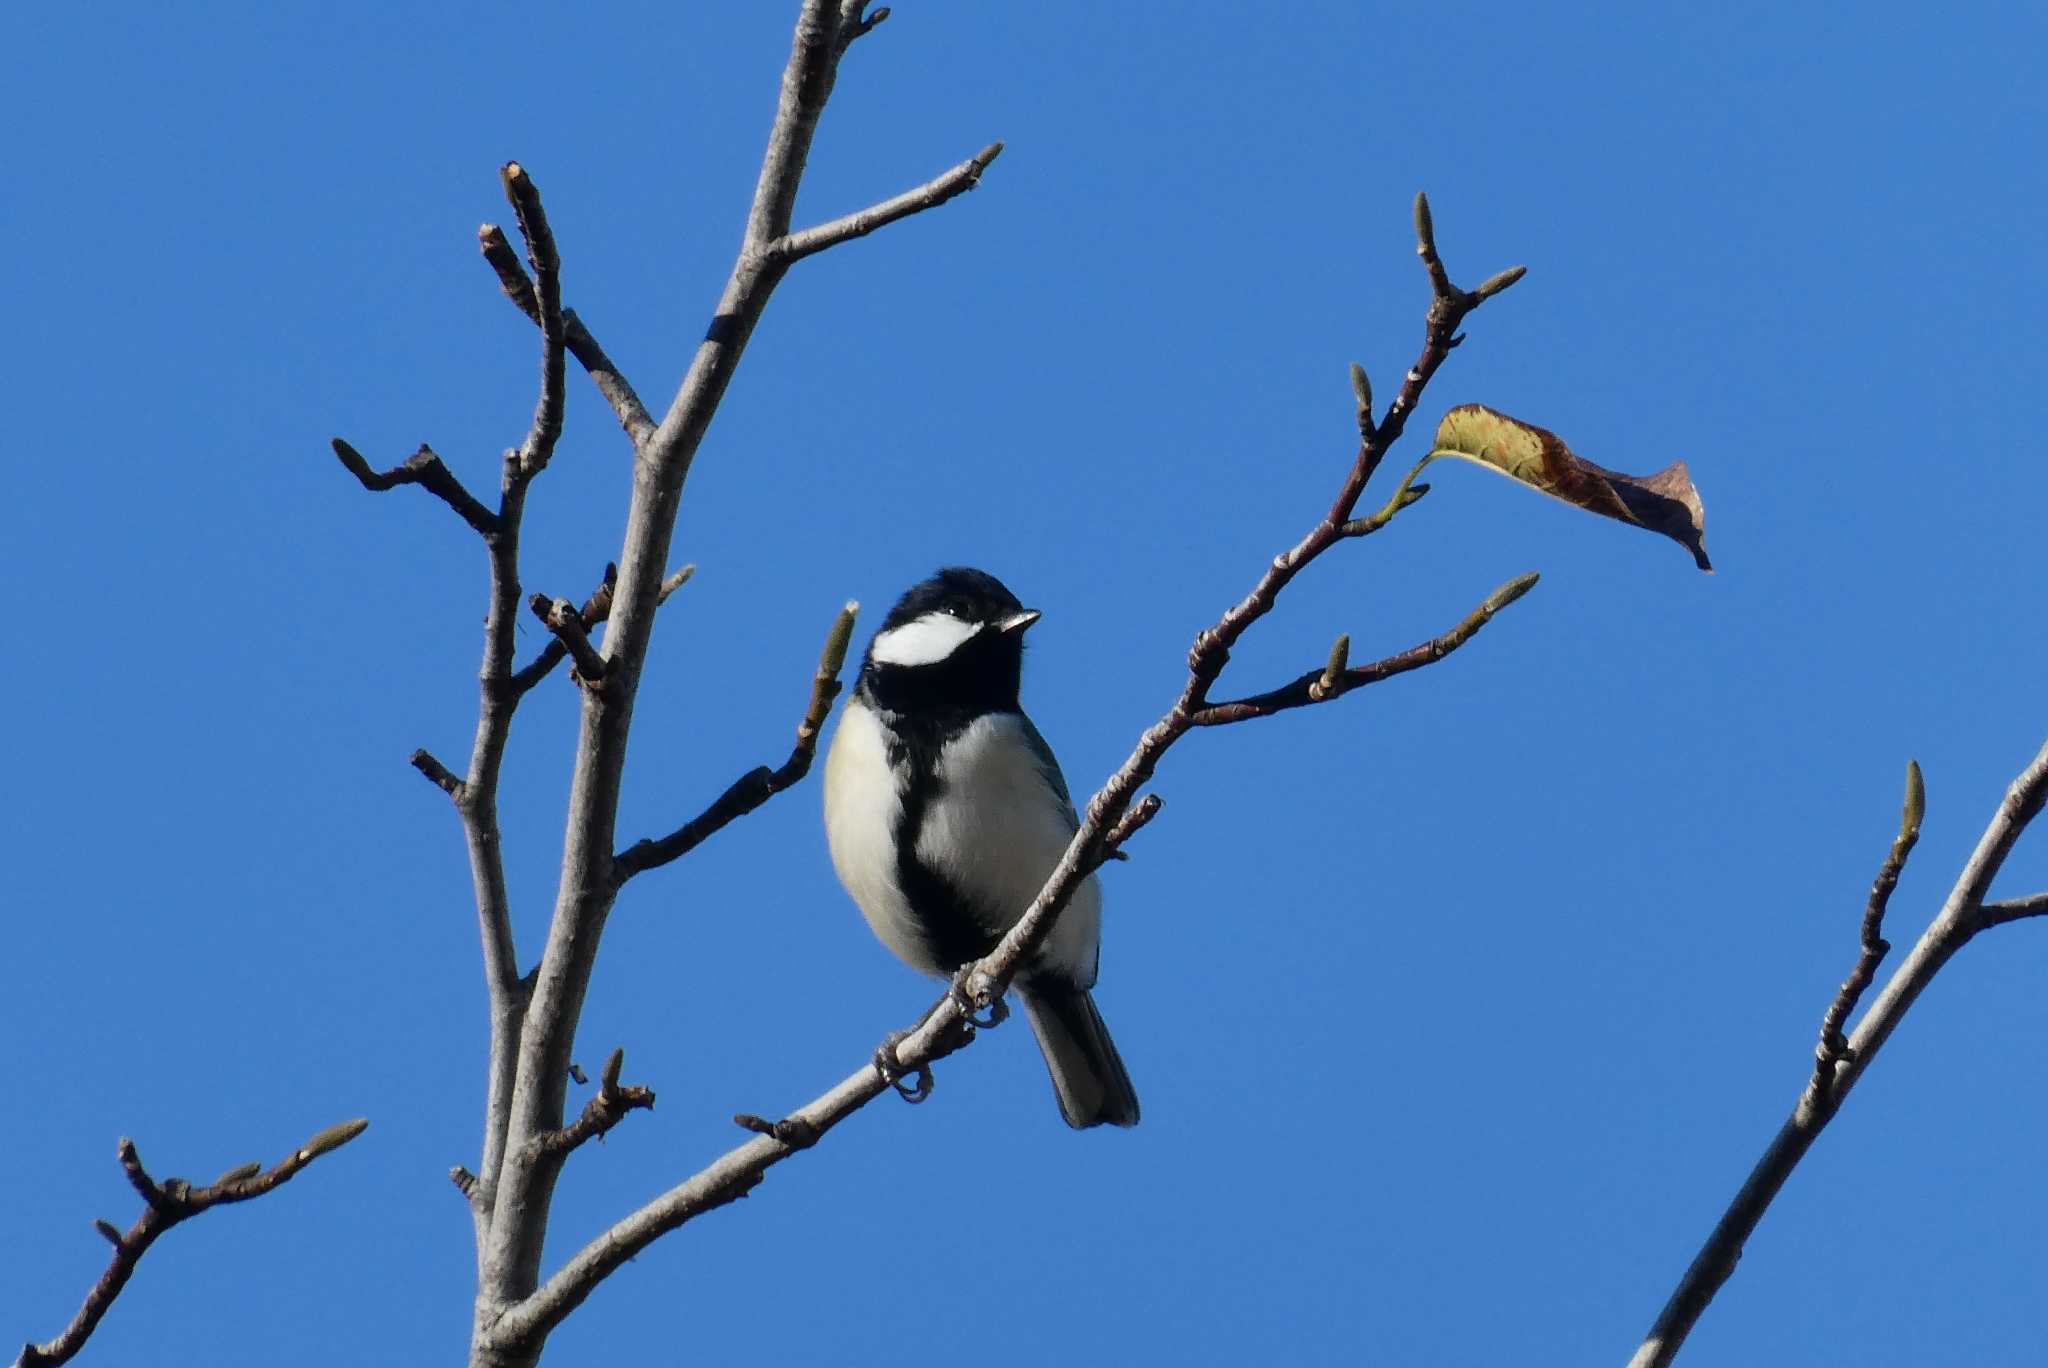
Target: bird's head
pixel 954 640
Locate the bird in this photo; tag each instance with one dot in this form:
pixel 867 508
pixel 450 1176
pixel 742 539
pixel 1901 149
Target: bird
pixel 946 812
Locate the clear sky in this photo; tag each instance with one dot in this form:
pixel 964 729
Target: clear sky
pixel 1458 1009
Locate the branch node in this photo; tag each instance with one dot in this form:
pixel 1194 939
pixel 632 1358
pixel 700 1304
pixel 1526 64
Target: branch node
pixel 464 1180
pixel 561 617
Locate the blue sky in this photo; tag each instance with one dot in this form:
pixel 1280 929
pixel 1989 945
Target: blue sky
pixel 1458 1009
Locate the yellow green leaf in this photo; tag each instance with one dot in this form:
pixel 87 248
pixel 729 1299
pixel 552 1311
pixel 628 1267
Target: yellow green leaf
pixel 1666 502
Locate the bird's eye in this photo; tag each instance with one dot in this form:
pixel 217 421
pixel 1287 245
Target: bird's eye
pixel 954 608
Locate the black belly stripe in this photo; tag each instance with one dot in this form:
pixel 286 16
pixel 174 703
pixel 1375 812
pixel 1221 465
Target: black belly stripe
pixel 953 929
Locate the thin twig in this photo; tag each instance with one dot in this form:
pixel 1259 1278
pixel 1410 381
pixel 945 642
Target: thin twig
pixel 1111 816
pixel 165 1204
pixel 1833 1044
pixel 934 192
pixel 1334 681
pixel 606 1109
pixel 610 380
pixel 546 263
pixel 595 610
pixel 1961 917
pixel 425 469
pixel 1130 824
pixel 757 786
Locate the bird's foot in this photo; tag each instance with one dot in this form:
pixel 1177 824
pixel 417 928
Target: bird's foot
pixel 970 1003
pixel 919 1080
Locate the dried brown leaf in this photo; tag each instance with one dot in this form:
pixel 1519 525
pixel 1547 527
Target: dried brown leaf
pixel 1666 502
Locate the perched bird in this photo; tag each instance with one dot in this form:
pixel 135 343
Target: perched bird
pixel 946 814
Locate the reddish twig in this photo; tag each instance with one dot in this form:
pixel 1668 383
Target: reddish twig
pixel 1834 1046
pixel 757 786
pixel 165 1205
pixel 1336 679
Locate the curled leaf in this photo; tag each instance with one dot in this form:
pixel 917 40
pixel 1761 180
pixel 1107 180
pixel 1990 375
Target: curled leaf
pixel 1665 502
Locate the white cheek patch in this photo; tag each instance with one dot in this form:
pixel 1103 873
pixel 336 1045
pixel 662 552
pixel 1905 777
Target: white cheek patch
pixel 923 641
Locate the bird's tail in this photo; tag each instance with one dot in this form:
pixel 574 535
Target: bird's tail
pixel 1087 1072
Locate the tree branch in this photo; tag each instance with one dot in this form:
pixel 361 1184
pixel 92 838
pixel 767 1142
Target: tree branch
pixel 595 610
pixel 510 1253
pixel 425 469
pixel 1111 817
pixel 165 1205
pixel 1961 917
pixel 1834 1046
pixel 546 263
pixel 2015 909
pixel 1334 681
pixel 757 786
pixel 934 192
pixel 603 1111
pixel 561 617
pixel 610 381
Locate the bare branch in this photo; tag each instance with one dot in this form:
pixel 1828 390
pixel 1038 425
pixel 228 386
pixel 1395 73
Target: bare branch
pixel 610 381
pixel 1833 1044
pixel 561 617
pixel 1320 685
pixel 546 263
pixel 2015 909
pixel 439 774
pixel 757 786
pixel 934 192
pixel 605 1110
pixel 165 1204
pixel 595 610
pixel 425 469
pixel 510 1253
pixel 1961 917
pixel 1111 817
pixel 1130 824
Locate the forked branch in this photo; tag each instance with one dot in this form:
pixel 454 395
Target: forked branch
pixel 1112 816
pixel 165 1204
pixel 610 380
pixel 1962 916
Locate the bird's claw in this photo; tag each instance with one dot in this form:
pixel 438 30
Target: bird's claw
pixel 965 999
pixel 919 1086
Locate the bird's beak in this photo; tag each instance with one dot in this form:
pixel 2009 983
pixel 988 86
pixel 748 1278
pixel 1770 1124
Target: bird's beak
pixel 1010 626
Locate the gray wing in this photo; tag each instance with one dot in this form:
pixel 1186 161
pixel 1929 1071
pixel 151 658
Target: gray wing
pixel 1050 768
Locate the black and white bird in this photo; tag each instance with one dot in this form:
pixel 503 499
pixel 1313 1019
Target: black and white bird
pixel 946 813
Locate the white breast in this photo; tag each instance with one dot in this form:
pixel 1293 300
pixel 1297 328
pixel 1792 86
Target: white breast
pixel 997 831
pixel 861 812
